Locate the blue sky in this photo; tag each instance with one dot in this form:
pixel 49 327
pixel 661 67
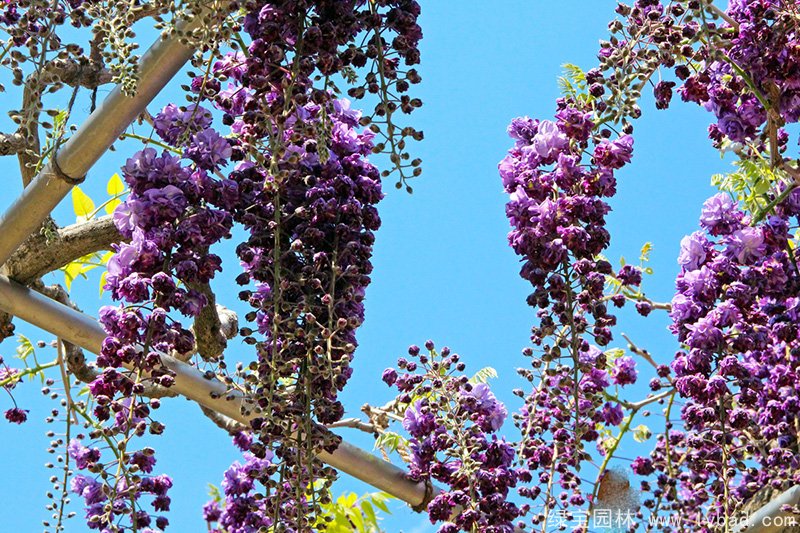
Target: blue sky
pixel 443 270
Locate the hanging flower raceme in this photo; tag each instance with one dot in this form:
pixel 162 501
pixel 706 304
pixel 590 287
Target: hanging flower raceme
pixel 452 424
pixel 757 79
pixel 174 213
pixel 735 313
pixel 9 378
pixel 311 219
pixel 308 207
pixel 306 197
pixel 241 510
pixel 557 214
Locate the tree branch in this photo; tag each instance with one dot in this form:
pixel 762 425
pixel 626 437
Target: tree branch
pixel 80 72
pixel 6 326
pixel 40 255
pixel 223 422
pixel 11 143
pixel 354 423
pixel 641 352
pixel 213 326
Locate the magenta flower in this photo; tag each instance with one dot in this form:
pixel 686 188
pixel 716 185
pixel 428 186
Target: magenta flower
pixel 719 214
pixel 623 371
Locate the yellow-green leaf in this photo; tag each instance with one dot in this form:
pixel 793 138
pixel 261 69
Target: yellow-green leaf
pixel 112 204
pixel 641 433
pixel 369 512
pixel 103 282
pixel 380 503
pixel 356 518
pixel 484 375
pixel 115 185
pixel 645 253
pixel 81 204
pixel 72 271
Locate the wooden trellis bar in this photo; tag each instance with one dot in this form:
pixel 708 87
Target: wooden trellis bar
pixel 82 330
pixel 771 518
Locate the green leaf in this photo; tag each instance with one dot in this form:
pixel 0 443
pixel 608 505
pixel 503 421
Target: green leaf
pixel 103 277
pixel 380 500
pixel 753 183
pixel 645 253
pixel 214 492
pixel 25 348
pixel 484 375
pixel 60 120
pixel 81 204
pixel 340 520
pixel 613 354
pixel 114 187
pixel 641 433
pixel 356 518
pixel 608 443
pixel 369 512
pixel 389 441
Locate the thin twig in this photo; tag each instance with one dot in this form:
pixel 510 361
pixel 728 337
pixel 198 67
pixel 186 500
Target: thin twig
pixel 354 423
pixel 641 352
pixel 64 378
pixel 724 16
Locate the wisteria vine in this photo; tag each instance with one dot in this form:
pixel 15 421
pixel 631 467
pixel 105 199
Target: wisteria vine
pixel 269 145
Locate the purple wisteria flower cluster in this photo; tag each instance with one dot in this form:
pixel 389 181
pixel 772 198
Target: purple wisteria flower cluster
pixel 736 314
pixel 106 504
pixel 175 211
pixel 301 40
pixel 557 214
pixel 310 220
pixel 452 425
pixel 739 64
pixel 303 190
pixel 311 230
pixel 242 510
pixel 307 196
pixel 756 79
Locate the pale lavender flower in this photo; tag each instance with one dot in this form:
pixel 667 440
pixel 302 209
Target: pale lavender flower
pixel 693 251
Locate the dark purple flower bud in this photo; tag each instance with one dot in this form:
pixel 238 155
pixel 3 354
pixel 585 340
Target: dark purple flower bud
pixel 16 415
pixel 642 466
pixel 389 376
pixel 630 275
pixel 663 94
